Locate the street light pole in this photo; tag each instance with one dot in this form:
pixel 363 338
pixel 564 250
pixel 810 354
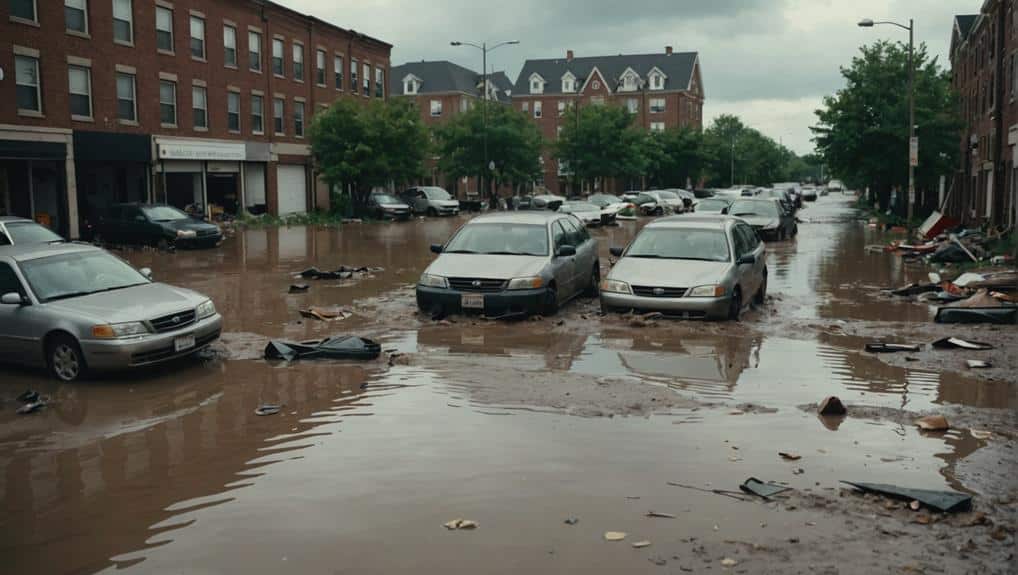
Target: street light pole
pixel 732 177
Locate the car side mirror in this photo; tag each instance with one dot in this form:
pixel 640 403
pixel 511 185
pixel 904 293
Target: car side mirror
pixel 617 252
pixel 147 272
pixel 747 259
pixel 566 251
pixel 436 248
pixel 12 298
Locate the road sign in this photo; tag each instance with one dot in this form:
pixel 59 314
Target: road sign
pixel 913 151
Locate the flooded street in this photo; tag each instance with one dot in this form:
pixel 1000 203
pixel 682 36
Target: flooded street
pixel 517 426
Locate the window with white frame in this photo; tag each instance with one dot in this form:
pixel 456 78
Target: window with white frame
pixel 337 65
pixel 525 107
pixel 233 111
pixel 536 84
pixel 123 22
pixel 558 131
pixel 164 29
pixel 562 105
pixel 379 83
pixel 200 107
pixel 24 10
pixel 657 126
pixel 229 46
pixel 26 73
pixel 353 75
pixel 126 108
pixel 657 105
pixel 629 83
pixel 657 82
pixel 568 83
pixel 633 105
pixel 168 102
pixel 538 109
pixel 320 67
pixel 436 108
pixel 254 51
pixel 366 79
pixel 464 104
pixel 76 15
pixel 298 62
pixel 257 113
pixel 79 83
pixel 298 119
pixel 277 57
pixel 197 37
pixel 410 85
pixel 278 119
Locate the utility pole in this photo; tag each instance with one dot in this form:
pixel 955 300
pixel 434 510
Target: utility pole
pixel 732 177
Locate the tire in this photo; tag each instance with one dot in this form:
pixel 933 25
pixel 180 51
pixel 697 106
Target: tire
pixel 795 231
pixel 595 281
pixel 735 307
pixel 659 212
pixel 432 213
pixel 761 295
pixel 550 306
pixel 164 244
pixel 64 358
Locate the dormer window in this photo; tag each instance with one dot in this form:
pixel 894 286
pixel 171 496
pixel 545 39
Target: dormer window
pixel 657 80
pixel 568 83
pixel 411 85
pixel 630 81
pixel 536 84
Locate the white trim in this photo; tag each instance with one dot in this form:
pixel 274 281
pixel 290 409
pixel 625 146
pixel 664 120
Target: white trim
pixel 530 83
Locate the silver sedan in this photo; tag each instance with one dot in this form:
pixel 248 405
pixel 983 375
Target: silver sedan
pixel 698 267
pixel 76 307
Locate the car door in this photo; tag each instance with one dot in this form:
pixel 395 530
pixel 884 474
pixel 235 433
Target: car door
pixel 751 273
pixel 563 268
pixel 420 201
pixel 585 256
pixel 16 343
pixel 744 271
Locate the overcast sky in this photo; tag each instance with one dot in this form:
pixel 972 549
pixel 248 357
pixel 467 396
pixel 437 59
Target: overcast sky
pixel 768 61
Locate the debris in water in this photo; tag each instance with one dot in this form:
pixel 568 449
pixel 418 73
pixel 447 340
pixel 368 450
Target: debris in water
pixel 572 521
pixel 789 456
pixel 299 288
pixel 798 471
pixel 641 544
pixel 341 347
pixel 947 501
pixel 891 347
pixel 729 562
pixel 268 409
pixel 614 536
pixel 31 407
pixel 661 515
pixel 933 423
pixel 761 489
pixel 832 406
pixel 978 364
pixel 914 505
pixel 323 314
pixel 29 396
pixel 981 434
pixel 958 343
pixel 460 524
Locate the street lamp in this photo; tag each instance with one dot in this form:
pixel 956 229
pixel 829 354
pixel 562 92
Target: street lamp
pixel 913 142
pixel 483 47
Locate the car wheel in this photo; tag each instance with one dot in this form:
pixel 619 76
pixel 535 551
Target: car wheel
pixel 550 306
pixel 761 295
pixel 735 305
pixel 64 357
pixel 595 281
pixel 164 244
pixel 659 212
pixel 432 212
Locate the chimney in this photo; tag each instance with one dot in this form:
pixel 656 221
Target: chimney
pixel 668 50
pixel 569 55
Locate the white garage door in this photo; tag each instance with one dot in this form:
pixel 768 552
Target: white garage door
pixel 293 189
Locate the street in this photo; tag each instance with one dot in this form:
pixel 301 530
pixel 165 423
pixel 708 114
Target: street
pixel 518 426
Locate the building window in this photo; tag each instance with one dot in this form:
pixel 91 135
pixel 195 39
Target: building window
pixel 230 46
pixel 657 126
pixel 80 87
pixel 257 103
pixel 379 83
pixel 277 57
pixel 536 84
pixel 436 108
pixel 629 83
pixel 126 110
pixel 254 51
pixel 168 102
pixel 24 9
pixel 568 83
pixel 464 104
pixel 561 107
pixel 657 105
pixel 76 15
pixel 233 111
pixel 525 107
pixel 278 119
pixel 298 119
pixel 320 67
pixel 164 29
pixel 298 62
pixel 410 86
pixel 633 105
pixel 366 80
pixel 199 107
pixel 123 22
pixel 198 37
pixel 337 64
pixel 538 111
pixel 558 132
pixel 26 71
pixel 353 76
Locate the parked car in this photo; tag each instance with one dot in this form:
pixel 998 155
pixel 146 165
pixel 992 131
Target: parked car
pixel 515 262
pixel 782 195
pixel 155 224
pixel 430 200
pixel 75 308
pixel 809 194
pixel 18 231
pixel 546 202
pixel 588 213
pixel 697 267
pixel 767 216
pixel 384 206
pixel 794 189
pixel 712 206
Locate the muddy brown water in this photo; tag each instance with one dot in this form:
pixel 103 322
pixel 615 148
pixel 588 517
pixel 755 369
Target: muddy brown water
pixel 170 470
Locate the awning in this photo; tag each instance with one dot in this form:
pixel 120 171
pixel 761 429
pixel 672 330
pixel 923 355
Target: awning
pixel 29 150
pixel 111 147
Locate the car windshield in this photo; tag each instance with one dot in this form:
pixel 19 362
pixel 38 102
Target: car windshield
pixel 436 194
pixel 31 233
pixel 711 205
pixel 680 244
pixel 668 195
pixel 754 209
pixel 386 199
pixel 500 239
pixel 571 207
pixel 164 214
pixel 604 200
pixel 645 198
pixel 77 274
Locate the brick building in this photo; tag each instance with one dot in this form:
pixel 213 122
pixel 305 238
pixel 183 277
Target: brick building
pixel 186 101
pixel 443 90
pixel 985 78
pixel 661 90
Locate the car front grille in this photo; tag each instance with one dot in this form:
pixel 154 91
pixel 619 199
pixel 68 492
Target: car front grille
pixel 169 351
pixel 649 291
pixel 477 285
pixel 173 321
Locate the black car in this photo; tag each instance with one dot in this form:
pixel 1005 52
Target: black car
pixel 157 225
pixel 383 206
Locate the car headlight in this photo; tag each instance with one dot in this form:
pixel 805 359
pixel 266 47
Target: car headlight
pixel 119 330
pixel 187 234
pixel 707 291
pixel 526 283
pixel 428 280
pixel 206 309
pixel 615 286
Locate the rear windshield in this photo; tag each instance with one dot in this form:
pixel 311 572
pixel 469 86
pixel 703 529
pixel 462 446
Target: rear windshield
pixel 31 233
pixel 754 209
pixel 711 205
pixel 680 244
pixel 500 239
pixel 436 194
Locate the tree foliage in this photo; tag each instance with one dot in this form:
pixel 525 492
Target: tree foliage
pixel 599 142
pixel 675 158
pixel 758 159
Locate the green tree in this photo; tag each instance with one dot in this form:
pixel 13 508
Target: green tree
pixel 756 158
pixel 674 158
pixel 600 142
pixel 862 130
pixel 359 147
pixel 513 143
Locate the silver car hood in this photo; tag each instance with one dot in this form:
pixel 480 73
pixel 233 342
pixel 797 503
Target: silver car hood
pixel 760 221
pixel 131 304
pixel 487 266
pixel 668 273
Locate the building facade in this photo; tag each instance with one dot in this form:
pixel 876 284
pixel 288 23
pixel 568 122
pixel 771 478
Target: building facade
pixel 443 90
pixel 984 67
pixel 202 103
pixel 662 91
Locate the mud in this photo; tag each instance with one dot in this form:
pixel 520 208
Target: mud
pixel 519 426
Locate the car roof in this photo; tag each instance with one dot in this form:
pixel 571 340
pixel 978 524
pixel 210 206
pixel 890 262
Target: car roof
pixel 693 221
pixel 25 252
pixel 538 217
pixel 13 219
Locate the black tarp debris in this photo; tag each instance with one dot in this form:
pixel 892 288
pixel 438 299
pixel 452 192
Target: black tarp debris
pixel 342 347
pixel 958 343
pixel 997 315
pixel 268 409
pixel 915 289
pixel 31 407
pixel 299 288
pixel 946 501
pixel 766 490
pixel 832 406
pixel 29 396
pixel 891 347
pixel 341 273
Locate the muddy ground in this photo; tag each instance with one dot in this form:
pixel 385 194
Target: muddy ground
pixel 520 426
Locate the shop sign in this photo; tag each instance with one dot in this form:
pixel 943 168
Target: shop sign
pixel 178 150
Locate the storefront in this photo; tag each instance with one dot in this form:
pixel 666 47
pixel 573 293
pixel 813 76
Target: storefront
pixel 201 176
pixel 110 168
pixel 293 193
pixel 258 156
pixel 37 177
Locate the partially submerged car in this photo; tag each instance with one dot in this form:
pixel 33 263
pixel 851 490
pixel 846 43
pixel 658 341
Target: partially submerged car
pixel 588 213
pixel 155 224
pixel 767 216
pixel 547 202
pixel 75 308
pixel 610 204
pixel 19 231
pixel 712 206
pixel 511 263
pixel 384 206
pixel 692 266
pixel 430 200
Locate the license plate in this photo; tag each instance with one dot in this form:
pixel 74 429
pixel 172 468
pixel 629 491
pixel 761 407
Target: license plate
pixel 183 342
pixel 472 301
